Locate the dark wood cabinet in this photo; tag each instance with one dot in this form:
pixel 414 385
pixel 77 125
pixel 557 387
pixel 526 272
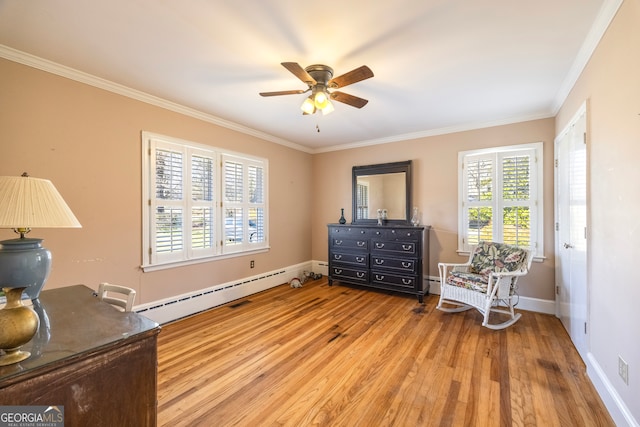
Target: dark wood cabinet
pixel 100 364
pixel 385 257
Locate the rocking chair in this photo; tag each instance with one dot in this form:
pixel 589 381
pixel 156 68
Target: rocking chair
pixel 486 282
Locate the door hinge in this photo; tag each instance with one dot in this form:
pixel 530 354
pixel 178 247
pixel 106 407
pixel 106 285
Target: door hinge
pixel 585 328
pixel 557 290
pixel 557 226
pixel 584 140
pixel 556 162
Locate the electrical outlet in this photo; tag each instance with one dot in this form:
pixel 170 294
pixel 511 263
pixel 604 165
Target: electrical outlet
pixel 252 263
pixel 623 370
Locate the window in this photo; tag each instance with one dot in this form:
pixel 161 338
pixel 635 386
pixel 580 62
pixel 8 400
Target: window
pixel 200 202
pixel 501 197
pixel 244 205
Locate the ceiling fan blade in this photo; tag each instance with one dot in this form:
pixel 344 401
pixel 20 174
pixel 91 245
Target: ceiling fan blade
pixel 354 101
pixel 282 92
pixel 353 76
pixel 299 72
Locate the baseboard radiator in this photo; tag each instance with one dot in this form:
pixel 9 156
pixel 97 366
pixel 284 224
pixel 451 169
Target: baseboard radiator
pixel 177 307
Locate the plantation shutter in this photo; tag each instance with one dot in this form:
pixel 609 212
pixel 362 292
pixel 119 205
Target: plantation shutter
pixel 202 203
pixel 233 198
pixel 244 203
pixel 168 210
pixel 478 198
pixel 257 206
pixel 499 198
pixel 516 199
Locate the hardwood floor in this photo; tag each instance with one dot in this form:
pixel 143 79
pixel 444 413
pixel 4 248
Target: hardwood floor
pixel 341 356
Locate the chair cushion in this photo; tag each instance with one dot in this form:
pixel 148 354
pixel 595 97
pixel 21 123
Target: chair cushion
pixel 472 281
pixel 497 257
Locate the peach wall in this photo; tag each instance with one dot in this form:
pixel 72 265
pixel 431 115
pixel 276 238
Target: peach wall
pixel 435 182
pixel 611 85
pixel 87 142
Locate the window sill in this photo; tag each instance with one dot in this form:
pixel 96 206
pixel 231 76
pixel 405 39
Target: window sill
pixel 164 266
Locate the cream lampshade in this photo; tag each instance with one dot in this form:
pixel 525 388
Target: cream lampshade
pixel 27 203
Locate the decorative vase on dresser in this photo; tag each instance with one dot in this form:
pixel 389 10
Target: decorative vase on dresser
pixel 384 257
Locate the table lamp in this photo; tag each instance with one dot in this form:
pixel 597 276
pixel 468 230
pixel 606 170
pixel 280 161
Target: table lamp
pixel 27 203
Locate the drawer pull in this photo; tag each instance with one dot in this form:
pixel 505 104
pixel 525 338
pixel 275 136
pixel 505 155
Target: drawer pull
pixel 360 274
pixel 379 245
pixel 407 281
pixel 379 261
pixel 379 277
pixel 407 247
pixel 361 243
pixel 338 242
pixel 337 271
pixel 337 256
pixel 359 259
pixel 406 264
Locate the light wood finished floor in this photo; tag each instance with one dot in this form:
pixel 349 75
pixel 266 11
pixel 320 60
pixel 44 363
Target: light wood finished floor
pixel 341 356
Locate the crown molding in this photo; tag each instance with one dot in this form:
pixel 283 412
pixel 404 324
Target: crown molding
pixel 98 82
pixel 606 14
pixel 435 132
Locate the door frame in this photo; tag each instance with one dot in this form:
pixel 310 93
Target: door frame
pixel 582 345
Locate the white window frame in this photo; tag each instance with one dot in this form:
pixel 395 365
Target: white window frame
pixel 244 205
pixel 151 260
pixel 535 204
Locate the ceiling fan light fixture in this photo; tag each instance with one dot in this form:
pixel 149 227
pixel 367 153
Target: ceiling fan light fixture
pixel 319 78
pixel 328 108
pixel 308 106
pixel 320 99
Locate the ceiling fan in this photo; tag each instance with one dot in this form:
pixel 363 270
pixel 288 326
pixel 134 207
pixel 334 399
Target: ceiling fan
pixel 320 79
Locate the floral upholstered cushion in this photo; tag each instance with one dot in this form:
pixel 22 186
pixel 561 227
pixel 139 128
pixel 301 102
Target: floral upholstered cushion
pixel 475 282
pixel 497 257
pixel 488 257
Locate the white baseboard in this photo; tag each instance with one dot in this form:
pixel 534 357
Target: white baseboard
pixel 525 303
pixel 615 405
pixel 176 307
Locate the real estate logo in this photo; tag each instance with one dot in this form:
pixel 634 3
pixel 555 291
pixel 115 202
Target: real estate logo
pixel 31 416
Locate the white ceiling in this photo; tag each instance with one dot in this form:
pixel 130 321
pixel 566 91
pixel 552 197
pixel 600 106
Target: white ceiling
pixel 439 65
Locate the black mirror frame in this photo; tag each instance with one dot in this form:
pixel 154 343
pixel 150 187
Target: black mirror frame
pixel 383 168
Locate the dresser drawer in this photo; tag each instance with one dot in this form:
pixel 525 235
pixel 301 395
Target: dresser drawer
pixel 401 234
pixel 349 232
pixel 338 243
pixel 393 280
pixel 351 274
pixel 350 258
pixel 407 265
pixel 405 248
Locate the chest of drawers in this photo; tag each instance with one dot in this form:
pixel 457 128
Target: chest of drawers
pixel 383 257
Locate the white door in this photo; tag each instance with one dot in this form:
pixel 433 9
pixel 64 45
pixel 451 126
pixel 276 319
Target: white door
pixel 571 230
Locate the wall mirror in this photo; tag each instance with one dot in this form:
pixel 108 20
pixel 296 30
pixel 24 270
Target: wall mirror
pixel 384 186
